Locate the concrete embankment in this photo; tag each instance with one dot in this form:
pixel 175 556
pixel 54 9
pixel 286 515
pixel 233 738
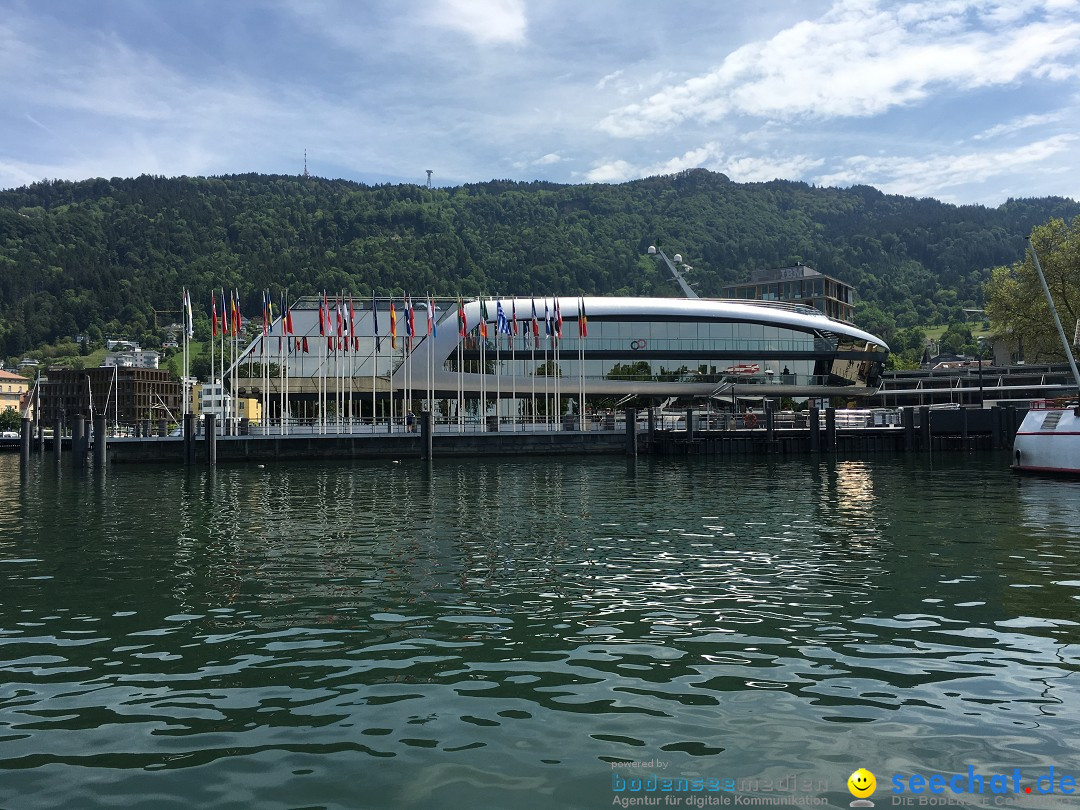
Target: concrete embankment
pixel 398 445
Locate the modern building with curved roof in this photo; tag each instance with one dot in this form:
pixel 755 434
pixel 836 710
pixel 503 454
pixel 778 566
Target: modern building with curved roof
pixel 653 348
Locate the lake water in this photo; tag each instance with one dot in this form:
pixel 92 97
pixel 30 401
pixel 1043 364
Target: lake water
pixel 536 633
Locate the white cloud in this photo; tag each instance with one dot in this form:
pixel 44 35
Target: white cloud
pixel 742 169
pixel 547 159
pixel 615 171
pixel 1018 124
pixel 930 176
pixel 864 58
pixel 600 85
pixel 486 21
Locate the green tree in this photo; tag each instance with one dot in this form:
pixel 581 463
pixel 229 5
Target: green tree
pixel 1016 304
pixel 10 420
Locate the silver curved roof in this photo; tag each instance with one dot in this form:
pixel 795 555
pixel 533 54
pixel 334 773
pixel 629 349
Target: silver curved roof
pixel 759 311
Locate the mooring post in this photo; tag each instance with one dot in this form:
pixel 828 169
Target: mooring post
pixel 907 418
pixel 770 422
pixel 427 428
pixel 995 428
pixel 689 425
pixel 631 431
pixel 57 437
pixel 25 435
pixel 211 439
pixel 830 430
pixel 189 438
pixel 924 428
pixel 162 428
pixel 76 439
pixel 39 445
pixel 814 426
pixel 100 441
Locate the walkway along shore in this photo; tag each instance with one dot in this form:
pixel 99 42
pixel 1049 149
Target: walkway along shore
pixel 908 430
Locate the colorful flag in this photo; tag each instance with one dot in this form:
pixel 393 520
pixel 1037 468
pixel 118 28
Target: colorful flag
pixel 547 319
pixel 483 318
pixel 513 323
pixel 266 313
pixel 535 323
pixel 502 326
pixel 431 317
pixel 582 321
pixel 558 320
pixel 238 317
pixel 352 318
pixel 461 316
pixel 393 326
pixel 224 312
pixel 406 303
pixel 213 314
pixel 288 318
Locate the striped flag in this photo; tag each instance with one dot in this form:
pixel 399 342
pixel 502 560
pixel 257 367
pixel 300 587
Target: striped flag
pixel 514 321
pixel 547 319
pixel 393 326
pixel 483 318
pixel 464 329
pixel 213 314
pixel 582 320
pixel 502 326
pixel 431 317
pixel 558 320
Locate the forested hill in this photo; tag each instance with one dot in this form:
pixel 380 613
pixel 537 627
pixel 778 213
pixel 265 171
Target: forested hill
pixel 99 256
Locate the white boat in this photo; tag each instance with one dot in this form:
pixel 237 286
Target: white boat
pixel 1048 439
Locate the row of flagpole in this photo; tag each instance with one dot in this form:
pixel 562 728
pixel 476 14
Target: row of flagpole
pixel 337 324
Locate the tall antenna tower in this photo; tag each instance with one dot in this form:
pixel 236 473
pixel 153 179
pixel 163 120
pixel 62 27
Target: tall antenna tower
pixel 429 178
pixel 305 163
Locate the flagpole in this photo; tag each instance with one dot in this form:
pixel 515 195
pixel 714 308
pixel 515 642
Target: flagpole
pixel 534 328
pixel 498 370
pixel 556 337
pixel 513 362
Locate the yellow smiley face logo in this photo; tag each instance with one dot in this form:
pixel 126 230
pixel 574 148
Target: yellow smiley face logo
pixel 862 784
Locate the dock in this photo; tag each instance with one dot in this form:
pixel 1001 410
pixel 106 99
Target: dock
pixel 631 433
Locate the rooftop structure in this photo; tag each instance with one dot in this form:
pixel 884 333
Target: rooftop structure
pixel 798 285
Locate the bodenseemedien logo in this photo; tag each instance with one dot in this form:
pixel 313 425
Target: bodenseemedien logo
pixel 862 785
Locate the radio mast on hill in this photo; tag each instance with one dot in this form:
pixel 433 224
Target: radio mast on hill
pixel 305 163
pixel 428 178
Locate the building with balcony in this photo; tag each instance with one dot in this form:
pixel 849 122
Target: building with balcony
pixel 798 285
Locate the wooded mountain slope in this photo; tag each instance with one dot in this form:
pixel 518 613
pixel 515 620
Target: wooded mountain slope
pixel 99 256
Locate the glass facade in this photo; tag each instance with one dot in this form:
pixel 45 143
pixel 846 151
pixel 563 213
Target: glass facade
pixel 683 351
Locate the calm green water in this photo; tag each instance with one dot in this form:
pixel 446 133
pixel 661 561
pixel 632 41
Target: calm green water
pixel 511 634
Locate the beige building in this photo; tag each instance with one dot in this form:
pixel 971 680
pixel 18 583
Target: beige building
pixel 212 398
pixel 13 389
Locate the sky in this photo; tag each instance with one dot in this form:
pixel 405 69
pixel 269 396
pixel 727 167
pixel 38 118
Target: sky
pixel 964 101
